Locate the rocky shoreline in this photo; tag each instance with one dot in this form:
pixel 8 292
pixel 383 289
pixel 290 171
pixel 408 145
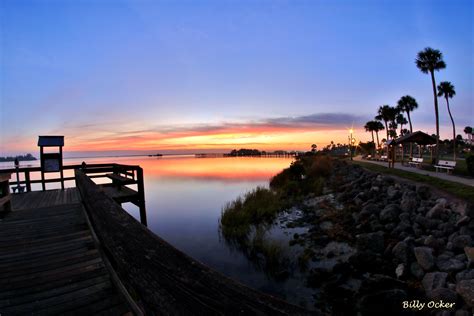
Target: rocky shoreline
pixel 381 245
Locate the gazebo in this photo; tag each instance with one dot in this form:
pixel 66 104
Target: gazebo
pixel 418 137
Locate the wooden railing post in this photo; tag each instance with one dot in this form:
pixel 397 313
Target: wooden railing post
pixel 27 181
pixel 141 196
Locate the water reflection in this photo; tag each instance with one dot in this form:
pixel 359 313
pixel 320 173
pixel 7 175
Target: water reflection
pixel 184 197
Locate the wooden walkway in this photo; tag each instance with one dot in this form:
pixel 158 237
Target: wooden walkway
pixel 49 260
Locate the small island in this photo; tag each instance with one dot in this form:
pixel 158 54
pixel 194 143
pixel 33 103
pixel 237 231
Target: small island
pixel 27 157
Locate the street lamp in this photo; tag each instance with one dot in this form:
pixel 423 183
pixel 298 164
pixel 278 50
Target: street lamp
pixel 350 141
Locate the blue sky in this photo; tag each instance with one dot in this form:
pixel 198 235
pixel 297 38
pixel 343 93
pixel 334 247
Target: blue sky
pixel 132 71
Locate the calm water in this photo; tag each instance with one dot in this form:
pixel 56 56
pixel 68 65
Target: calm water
pixel 184 197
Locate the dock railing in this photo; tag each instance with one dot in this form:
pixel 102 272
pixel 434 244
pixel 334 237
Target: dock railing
pixel 112 171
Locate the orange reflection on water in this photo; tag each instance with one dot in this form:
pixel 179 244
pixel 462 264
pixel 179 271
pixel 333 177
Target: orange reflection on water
pixel 226 169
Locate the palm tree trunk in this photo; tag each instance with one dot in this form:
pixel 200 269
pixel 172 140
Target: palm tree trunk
pixel 378 143
pixel 436 114
pixel 372 136
pixel 411 131
pixel 454 129
pixel 386 129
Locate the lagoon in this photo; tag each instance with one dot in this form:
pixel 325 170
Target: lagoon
pixel 184 198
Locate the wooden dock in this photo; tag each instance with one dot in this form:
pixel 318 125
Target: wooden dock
pixel 77 251
pixel 50 262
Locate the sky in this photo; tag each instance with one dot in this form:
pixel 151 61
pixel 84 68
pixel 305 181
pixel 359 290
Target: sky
pixel 206 76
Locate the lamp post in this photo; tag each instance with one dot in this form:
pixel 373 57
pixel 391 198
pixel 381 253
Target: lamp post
pixel 350 141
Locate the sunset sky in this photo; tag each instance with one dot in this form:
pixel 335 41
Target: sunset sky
pixel 196 76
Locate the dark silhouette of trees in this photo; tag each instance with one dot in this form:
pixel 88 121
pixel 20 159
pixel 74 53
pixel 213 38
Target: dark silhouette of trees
pixel 408 104
pixel 430 60
pixel 387 114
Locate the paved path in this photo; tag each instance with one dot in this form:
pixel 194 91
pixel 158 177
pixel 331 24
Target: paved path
pixel 440 175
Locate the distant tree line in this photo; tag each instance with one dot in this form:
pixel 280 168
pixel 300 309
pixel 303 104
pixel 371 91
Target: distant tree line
pixel 26 157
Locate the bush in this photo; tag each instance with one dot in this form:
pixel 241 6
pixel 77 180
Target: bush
pixel 470 164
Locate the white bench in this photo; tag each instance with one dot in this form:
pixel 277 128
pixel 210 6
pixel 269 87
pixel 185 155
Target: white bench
pixel 445 164
pixel 415 162
pixel 384 158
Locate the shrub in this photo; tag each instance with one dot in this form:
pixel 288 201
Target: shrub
pixel 470 164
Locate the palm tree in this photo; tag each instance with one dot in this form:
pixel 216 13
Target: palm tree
pixel 378 126
pixel 386 113
pixel 429 60
pixel 400 119
pixel 369 127
pixel 407 104
pixel 446 90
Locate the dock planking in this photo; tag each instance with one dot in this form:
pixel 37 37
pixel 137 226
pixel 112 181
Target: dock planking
pixel 49 260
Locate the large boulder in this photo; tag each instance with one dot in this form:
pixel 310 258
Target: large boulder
pixel 390 213
pixel 465 289
pixel 409 201
pixel 462 241
pixel 434 280
pixel 446 262
pixel 438 209
pixel 424 257
pixel 401 251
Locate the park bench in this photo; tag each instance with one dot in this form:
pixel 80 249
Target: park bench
pixel 120 180
pixel 384 158
pixel 445 164
pixel 416 162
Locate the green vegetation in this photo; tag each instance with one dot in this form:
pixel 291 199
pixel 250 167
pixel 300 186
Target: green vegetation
pixel 469 163
pixel 460 190
pixel 245 221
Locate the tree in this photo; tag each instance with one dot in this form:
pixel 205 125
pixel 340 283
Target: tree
pixel 408 104
pixel 429 60
pixel 378 126
pixel 369 127
pixel 446 90
pixel 387 114
pixel 313 148
pixel 400 119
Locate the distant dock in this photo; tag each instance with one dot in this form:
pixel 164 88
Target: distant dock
pixel 77 251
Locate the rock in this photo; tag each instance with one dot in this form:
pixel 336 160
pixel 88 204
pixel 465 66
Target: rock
pixel 447 263
pixel 462 241
pixel 464 220
pixel 326 226
pixel 424 257
pixel 409 202
pixel 371 241
pixel 469 251
pixel 433 242
pixel 393 192
pixel 437 210
pixel 423 192
pixel 390 213
pixel 400 270
pixel 434 280
pixel 416 270
pixel 465 289
pixel 465 275
pixel 444 294
pixel 401 252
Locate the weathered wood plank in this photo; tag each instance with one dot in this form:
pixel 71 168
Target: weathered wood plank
pixel 49 262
